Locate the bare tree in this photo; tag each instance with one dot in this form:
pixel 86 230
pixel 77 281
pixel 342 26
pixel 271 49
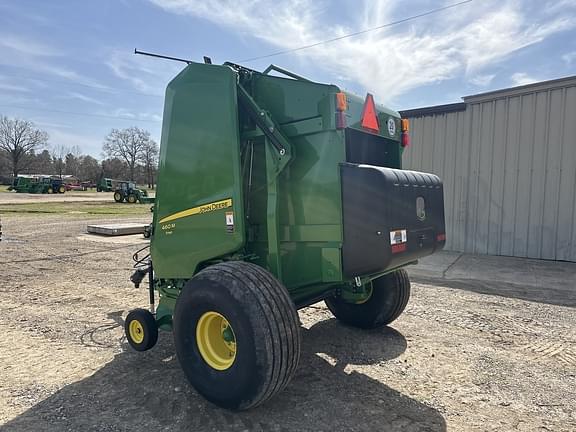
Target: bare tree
pixel 58 157
pixel 42 163
pixel 89 168
pixel 127 145
pixel 18 138
pixel 149 159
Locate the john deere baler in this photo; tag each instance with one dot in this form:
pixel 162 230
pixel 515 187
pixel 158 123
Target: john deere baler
pixel 274 193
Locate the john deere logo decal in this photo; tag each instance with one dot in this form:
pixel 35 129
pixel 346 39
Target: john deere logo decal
pixel 420 208
pixel 391 126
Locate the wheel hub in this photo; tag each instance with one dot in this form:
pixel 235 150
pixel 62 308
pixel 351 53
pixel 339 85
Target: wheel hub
pixel 136 331
pixel 216 340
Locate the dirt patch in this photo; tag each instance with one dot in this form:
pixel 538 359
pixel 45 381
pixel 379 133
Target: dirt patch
pixel 15 198
pixel 457 359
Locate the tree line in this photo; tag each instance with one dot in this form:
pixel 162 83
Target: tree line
pixel 129 154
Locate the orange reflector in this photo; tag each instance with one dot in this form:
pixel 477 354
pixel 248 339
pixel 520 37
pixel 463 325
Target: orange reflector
pixel 369 117
pixel 341 102
pixel 405 125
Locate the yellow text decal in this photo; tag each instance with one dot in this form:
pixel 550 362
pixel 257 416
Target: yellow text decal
pixel 204 208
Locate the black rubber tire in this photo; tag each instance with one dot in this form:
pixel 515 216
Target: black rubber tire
pixel 132 199
pixel 49 190
pixel 61 189
pixel 118 197
pixel 148 323
pixel 98 189
pixel 390 295
pixel 265 324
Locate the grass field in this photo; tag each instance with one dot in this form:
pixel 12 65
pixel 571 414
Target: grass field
pixel 3 188
pixel 76 208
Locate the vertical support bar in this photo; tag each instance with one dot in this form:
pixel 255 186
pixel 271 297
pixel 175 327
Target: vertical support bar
pixel 272 209
pixel 151 288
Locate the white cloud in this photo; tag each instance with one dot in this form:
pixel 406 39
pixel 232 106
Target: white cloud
pixel 88 144
pixel 37 57
pixel 84 98
pixel 146 75
pixel 128 114
pixel 392 61
pixel 569 58
pixel 482 80
pixel 25 46
pixel 521 78
pixel 9 85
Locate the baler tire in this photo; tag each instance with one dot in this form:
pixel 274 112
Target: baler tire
pixel 146 324
pixel 390 295
pixel 132 199
pixel 118 197
pixel 264 323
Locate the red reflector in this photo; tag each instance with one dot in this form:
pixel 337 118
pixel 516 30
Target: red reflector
pixel 369 117
pixel 398 248
pixel 441 237
pixel 405 139
pixel 340 120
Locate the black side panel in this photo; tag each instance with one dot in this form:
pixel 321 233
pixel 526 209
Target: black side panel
pixel 391 217
pixel 366 148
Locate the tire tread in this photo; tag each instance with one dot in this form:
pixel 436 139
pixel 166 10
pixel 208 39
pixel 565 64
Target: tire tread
pixel 280 318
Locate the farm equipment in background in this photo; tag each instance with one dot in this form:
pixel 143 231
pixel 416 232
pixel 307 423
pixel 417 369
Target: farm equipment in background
pixel 23 183
pixel 107 185
pixel 275 193
pixel 76 187
pixel 128 192
pixel 36 184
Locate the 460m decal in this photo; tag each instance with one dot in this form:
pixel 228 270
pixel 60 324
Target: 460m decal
pixel 204 208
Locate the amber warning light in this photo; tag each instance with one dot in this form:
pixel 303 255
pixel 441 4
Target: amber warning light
pixel 341 107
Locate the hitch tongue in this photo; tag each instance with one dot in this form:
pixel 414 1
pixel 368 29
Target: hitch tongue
pixel 137 277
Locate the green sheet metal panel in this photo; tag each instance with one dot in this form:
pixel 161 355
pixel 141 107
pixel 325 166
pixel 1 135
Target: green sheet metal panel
pixel 199 183
pixel 310 210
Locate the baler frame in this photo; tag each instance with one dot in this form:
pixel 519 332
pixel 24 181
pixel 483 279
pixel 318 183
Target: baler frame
pixel 274 147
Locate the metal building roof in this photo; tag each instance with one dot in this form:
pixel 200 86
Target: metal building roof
pixel 491 95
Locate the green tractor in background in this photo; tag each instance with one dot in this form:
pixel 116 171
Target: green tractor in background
pixel 128 192
pixel 52 185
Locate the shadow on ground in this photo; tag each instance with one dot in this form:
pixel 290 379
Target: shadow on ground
pixel 548 294
pixel 148 390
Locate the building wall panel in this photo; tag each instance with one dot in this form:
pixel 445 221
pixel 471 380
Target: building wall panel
pixel 508 161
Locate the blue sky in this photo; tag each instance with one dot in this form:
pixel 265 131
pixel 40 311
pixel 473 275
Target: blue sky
pixel 68 65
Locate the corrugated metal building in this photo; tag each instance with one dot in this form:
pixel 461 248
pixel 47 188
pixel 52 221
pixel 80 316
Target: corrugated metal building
pixel 508 161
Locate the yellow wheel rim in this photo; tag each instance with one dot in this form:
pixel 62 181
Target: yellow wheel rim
pixel 136 331
pixel 216 340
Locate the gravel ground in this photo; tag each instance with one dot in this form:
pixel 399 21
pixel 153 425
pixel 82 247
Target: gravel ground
pixel 72 196
pixel 24 198
pixel 457 359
